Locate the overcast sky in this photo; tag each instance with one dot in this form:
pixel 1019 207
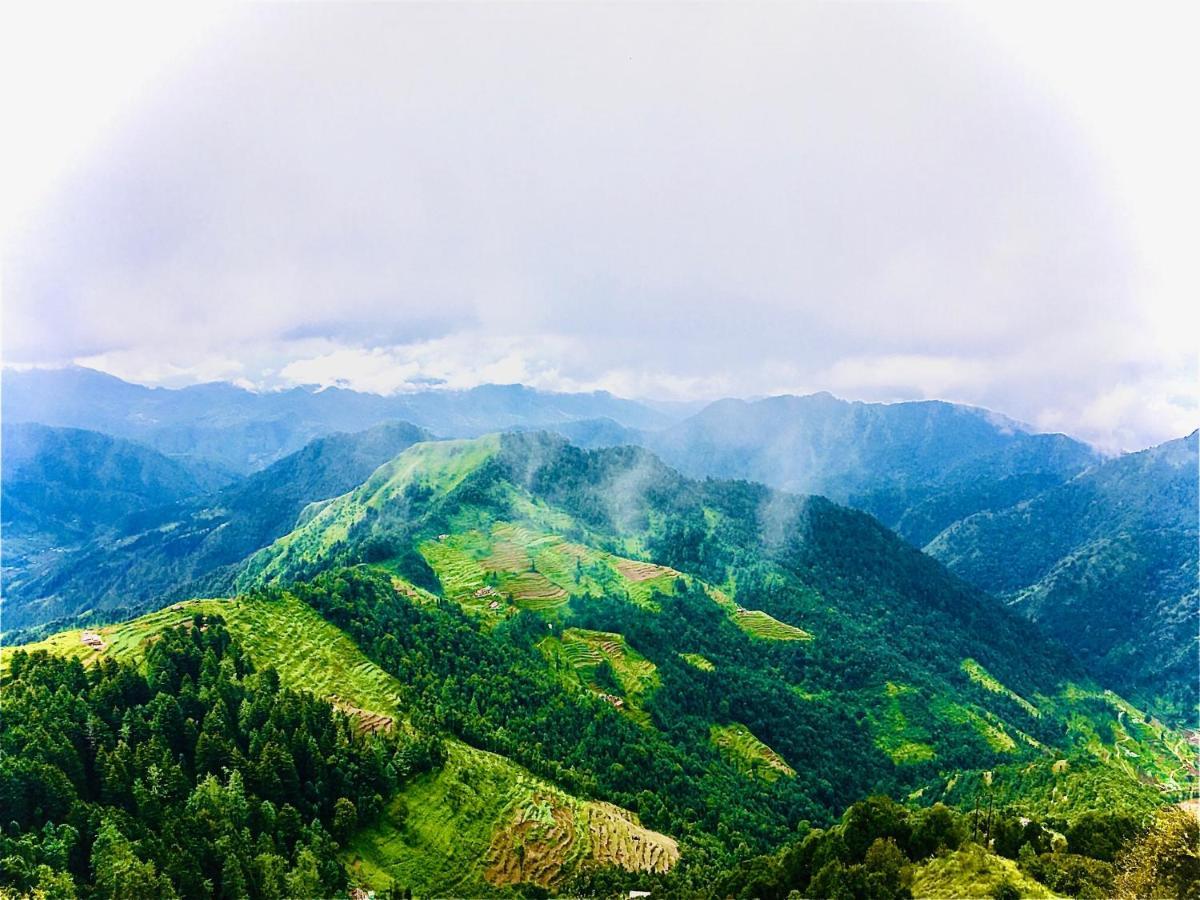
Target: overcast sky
pixel 993 205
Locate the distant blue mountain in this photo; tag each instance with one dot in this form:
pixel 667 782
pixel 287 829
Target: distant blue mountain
pixel 918 467
pixel 1106 562
pixel 243 431
pixel 170 542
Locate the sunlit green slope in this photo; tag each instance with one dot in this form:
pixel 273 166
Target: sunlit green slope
pixel 912 678
pixel 455 830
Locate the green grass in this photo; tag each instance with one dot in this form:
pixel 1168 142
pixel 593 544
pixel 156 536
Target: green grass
pixel 703 663
pixel 980 676
pixel 447 832
pixel 577 653
pixel 438 466
pixel 308 652
pixel 759 624
pixel 991 731
pixel 902 741
pixel 748 754
pixel 969 872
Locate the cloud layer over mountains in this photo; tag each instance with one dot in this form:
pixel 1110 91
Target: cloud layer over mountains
pixel 660 201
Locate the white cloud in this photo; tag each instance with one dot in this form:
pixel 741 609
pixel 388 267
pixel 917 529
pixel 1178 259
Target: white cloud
pixel 678 201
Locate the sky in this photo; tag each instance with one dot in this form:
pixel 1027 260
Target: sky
pixel 990 204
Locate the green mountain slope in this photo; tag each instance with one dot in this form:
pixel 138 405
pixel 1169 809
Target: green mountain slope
pixel 916 466
pixel 609 653
pixel 475 824
pixel 185 548
pixel 1106 562
pixel 602 567
pixel 63 487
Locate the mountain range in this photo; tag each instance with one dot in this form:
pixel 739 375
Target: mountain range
pixel 967 485
pixel 696 659
pixel 1102 552
pixel 1105 562
pixel 242 431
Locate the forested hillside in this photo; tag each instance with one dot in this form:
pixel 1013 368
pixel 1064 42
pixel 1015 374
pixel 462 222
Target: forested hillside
pixel 1106 562
pixel 916 466
pixel 161 551
pixel 648 584
pixel 579 672
pixel 225 809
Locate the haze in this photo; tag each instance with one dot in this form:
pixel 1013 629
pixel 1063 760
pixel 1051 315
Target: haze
pixel 678 202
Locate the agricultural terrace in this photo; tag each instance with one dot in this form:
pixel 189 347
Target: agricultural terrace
pixel 1133 741
pixel 578 653
pixel 759 624
pixel 482 822
pixel 980 676
pixel 990 728
pixel 308 652
pixel 703 663
pixel 436 832
pixel 513 564
pixel 891 729
pixel 755 622
pixel 748 754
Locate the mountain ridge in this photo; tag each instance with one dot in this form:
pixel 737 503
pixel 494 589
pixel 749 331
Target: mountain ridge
pixel 1106 560
pixel 244 430
pixel 168 551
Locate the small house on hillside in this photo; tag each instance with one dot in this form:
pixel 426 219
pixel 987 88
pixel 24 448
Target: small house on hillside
pixel 93 640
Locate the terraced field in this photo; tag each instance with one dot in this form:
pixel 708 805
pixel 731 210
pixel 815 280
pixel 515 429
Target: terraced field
pixel 1134 742
pixel 616 838
pixel 982 677
pixel 482 823
pixel 536 569
pixel 577 653
pixel 750 755
pixel 507 556
pixel 991 729
pixel 703 663
pixel 532 590
pixel 894 735
pixel 756 622
pixel 540 570
pixel 759 624
pixel 459 572
pixel 636 570
pixel 449 831
pixel 308 652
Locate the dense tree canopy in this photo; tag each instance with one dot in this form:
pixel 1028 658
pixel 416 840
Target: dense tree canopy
pixel 191 776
